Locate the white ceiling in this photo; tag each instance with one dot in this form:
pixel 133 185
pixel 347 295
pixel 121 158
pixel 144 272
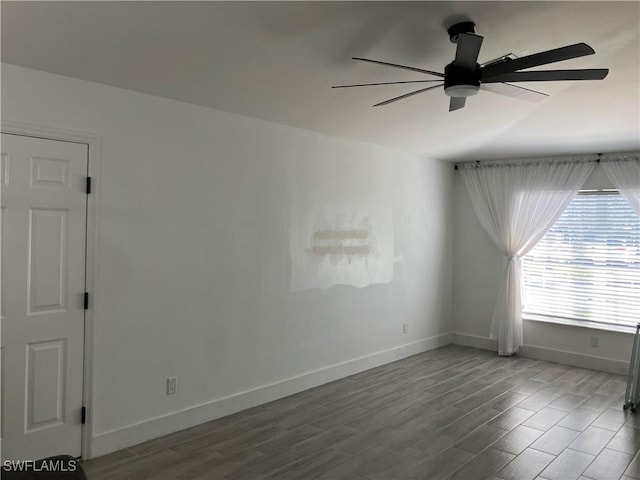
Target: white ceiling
pixel 277 60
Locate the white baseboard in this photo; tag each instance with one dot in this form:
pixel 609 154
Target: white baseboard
pixel 474 341
pixel 548 354
pixel 576 359
pixel 110 441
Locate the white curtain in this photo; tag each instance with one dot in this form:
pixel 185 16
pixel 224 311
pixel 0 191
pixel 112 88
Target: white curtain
pixel 517 203
pixel 624 172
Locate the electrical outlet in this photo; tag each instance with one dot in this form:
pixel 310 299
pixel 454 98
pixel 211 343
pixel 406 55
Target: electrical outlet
pixel 172 385
pixel 405 327
pixel 595 342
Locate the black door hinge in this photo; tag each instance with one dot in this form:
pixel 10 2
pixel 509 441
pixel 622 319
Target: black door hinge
pixel 86 300
pixel 88 185
pixel 83 415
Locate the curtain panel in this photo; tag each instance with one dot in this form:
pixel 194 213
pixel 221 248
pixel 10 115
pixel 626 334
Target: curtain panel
pixel 624 172
pixel 517 203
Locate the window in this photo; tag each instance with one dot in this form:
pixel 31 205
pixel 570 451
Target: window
pixel 587 267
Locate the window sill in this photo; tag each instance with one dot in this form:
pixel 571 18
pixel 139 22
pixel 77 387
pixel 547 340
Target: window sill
pixel 581 323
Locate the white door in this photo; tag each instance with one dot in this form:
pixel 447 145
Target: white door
pixel 43 231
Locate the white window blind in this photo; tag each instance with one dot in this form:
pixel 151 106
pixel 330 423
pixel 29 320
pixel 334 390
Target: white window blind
pixel 587 267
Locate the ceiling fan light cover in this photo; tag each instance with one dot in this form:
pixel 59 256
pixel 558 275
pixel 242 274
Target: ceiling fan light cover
pixel 462 90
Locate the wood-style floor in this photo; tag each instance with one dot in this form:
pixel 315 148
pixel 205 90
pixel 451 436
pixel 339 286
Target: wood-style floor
pixel 454 412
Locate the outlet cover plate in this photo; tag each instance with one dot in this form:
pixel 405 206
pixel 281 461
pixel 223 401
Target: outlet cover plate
pixel 172 385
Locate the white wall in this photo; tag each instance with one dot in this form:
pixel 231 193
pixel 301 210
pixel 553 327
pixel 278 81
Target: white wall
pixel 194 258
pixel 477 268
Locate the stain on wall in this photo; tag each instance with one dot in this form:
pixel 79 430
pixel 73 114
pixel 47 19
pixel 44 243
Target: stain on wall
pixel 341 250
pixel 341 242
pixel 337 248
pixel 340 234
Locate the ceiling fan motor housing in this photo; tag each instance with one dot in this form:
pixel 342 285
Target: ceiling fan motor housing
pixel 463 27
pixel 460 82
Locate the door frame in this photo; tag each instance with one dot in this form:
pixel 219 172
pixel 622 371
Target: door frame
pixel 93 143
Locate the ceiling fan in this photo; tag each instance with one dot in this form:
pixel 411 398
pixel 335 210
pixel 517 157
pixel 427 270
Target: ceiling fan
pixel 464 77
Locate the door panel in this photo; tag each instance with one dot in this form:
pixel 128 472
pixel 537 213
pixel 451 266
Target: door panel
pixel 43 228
pixel 46 257
pixel 46 372
pixel 3 169
pixel 52 172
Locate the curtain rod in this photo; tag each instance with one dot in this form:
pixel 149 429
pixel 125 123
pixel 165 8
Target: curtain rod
pixel 592 158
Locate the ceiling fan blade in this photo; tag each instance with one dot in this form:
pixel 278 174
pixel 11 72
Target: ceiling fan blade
pixel 395 99
pixel 467 51
pixel 384 83
pixel 404 67
pixel 514 91
pixel 456 103
pixel 550 75
pixel 542 58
